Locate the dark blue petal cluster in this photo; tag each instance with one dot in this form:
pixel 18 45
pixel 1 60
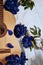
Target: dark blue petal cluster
pixel 10 45
pixel 23 58
pixel 20 30
pixel 26 41
pixel 15 59
pixel 9 32
pixel 12 59
pixel 9 63
pixel 1 63
pixel 12 6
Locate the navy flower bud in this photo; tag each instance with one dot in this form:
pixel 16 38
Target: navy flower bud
pixel 9 32
pixel 10 45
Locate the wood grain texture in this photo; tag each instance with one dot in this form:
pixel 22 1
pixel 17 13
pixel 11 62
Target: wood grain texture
pixel 10 22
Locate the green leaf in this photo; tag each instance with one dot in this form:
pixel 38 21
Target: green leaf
pixel 36 36
pixel 25 7
pixel 34 32
pixel 30 48
pixel 32 29
pixel 42 42
pixel 34 44
pixel 26 4
pixel 35 27
pixel 32 4
pixel 39 32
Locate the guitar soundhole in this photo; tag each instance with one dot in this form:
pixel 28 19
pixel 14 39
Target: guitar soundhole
pixel 3 29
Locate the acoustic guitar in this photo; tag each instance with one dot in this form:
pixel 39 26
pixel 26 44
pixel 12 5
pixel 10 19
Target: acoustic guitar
pixel 7 21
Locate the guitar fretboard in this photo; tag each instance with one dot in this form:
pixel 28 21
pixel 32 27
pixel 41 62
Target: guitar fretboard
pixel 1 10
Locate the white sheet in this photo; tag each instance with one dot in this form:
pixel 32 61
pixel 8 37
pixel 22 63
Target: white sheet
pixel 30 18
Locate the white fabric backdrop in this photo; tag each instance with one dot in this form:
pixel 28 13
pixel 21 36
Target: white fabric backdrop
pixel 30 18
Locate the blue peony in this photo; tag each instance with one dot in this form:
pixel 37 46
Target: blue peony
pixel 31 38
pixel 9 63
pixel 20 30
pixel 26 41
pixel 16 60
pixel 22 63
pixel 16 64
pixel 23 58
pixel 10 58
pixel 12 6
pixel 13 59
pixel 23 55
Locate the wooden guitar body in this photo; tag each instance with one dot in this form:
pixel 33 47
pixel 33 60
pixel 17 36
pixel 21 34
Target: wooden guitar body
pixel 10 22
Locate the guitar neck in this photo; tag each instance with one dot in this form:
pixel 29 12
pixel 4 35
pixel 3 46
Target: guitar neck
pixel 1 11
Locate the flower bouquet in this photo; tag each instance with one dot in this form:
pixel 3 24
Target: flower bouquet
pixel 21 33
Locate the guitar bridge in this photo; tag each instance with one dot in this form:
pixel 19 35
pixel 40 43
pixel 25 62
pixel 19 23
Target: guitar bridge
pixel 5 51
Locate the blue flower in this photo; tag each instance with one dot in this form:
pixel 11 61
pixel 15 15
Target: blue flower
pixel 12 63
pixel 16 60
pixel 10 32
pixel 20 30
pixel 16 64
pixel 23 55
pixel 22 63
pixel 31 38
pixel 10 45
pixel 9 63
pixel 1 63
pixel 23 58
pixel 24 30
pixel 10 58
pixel 26 41
pixel 12 6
